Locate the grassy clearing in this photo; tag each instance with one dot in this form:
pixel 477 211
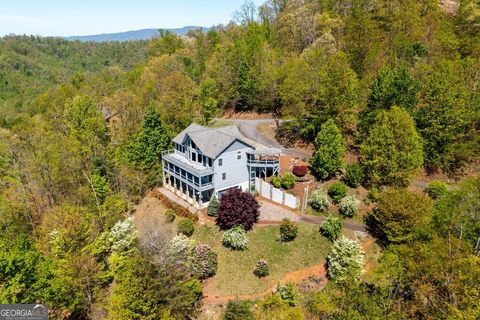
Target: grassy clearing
pixel 235 268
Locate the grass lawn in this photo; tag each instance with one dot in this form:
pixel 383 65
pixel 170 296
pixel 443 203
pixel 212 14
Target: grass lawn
pixel 235 268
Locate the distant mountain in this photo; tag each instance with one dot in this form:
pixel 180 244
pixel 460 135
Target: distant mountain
pixel 143 34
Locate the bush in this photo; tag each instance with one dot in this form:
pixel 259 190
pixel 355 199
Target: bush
pixel 337 191
pixel 288 230
pixel 348 206
pixel 170 215
pixel 373 194
pixel 319 200
pixel 332 228
pixel 353 175
pixel 276 182
pixel 213 207
pixel 235 238
pixel 181 248
pixel 345 261
pixel 300 171
pixel 287 293
pixel 238 310
pixel 185 226
pixel 204 262
pixel 261 268
pixel 436 189
pixel 288 181
pixel 237 208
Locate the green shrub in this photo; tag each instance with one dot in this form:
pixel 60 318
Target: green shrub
pixel 373 194
pixel 170 215
pixel 235 238
pixel 332 228
pixel 261 268
pixel 353 175
pixel 348 206
pixel 288 230
pixel 288 181
pixel 319 200
pixel 337 191
pixel 287 293
pixel 436 189
pixel 277 182
pixel 204 262
pixel 185 226
pixel 212 207
pixel 238 310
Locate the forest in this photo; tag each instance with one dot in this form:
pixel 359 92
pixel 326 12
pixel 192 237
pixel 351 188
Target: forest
pixel 398 80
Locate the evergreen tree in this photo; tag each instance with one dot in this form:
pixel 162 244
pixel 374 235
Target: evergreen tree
pixel 392 151
pixel 213 206
pixel 330 149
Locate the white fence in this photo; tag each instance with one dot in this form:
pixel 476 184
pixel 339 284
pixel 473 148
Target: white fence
pixel 276 195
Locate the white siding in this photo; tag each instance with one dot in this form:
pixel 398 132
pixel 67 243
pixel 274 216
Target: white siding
pixel 235 169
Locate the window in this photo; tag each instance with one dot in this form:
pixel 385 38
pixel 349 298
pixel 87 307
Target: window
pixel 194 156
pixel 209 162
pixel 224 176
pixel 220 162
pixel 239 155
pixel 200 158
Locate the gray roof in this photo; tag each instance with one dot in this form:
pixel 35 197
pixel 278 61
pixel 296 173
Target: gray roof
pixel 211 141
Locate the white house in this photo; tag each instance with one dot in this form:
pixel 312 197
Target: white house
pixel 210 161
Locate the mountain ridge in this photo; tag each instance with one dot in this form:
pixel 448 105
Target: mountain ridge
pixel 132 35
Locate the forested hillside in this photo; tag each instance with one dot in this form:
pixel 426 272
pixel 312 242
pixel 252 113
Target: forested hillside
pixel 395 77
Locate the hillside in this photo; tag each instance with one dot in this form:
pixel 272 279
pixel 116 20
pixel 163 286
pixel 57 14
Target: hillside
pixel 144 34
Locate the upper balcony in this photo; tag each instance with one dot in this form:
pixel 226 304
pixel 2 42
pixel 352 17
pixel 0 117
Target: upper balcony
pixel 266 157
pixel 181 161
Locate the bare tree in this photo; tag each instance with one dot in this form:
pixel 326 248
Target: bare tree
pixel 246 14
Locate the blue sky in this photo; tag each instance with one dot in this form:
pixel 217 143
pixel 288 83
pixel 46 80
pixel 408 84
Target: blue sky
pixel 82 17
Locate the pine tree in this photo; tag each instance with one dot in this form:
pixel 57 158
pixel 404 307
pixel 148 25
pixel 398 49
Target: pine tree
pixel 212 207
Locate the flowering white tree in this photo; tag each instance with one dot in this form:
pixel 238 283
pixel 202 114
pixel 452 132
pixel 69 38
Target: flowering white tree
pixel 122 236
pixel 346 260
pixel 181 249
pixel 348 206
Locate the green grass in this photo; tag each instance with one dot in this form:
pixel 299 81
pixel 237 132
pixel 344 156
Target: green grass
pixel 235 268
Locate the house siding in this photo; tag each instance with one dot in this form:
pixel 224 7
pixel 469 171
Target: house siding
pixel 236 170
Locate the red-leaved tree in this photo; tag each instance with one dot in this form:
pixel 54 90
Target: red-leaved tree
pixel 237 208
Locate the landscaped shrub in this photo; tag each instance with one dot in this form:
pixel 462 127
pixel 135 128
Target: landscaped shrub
pixel 213 207
pixel 276 182
pixel 373 194
pixel 237 208
pixel 261 268
pixel 288 181
pixel 235 238
pixel 185 226
pixel 337 191
pixel 204 262
pixel 436 189
pixel 288 230
pixel 300 171
pixel 319 200
pixel 181 249
pixel 348 206
pixel 332 228
pixel 170 215
pixel 238 310
pixel 353 175
pixel 287 293
pixel 345 261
